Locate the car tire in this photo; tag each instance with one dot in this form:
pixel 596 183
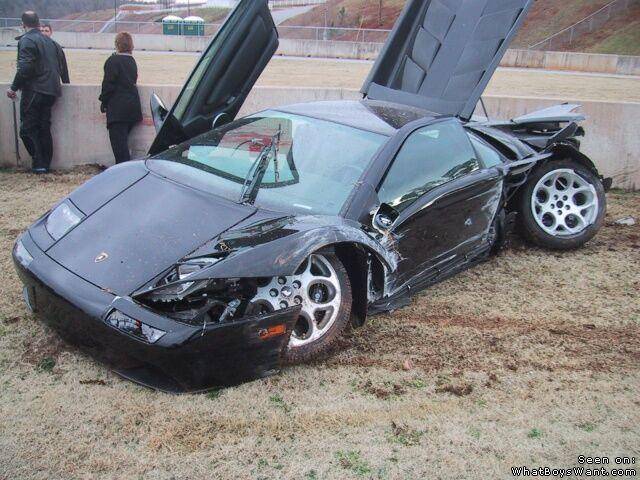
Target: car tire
pixel 300 352
pixel 562 206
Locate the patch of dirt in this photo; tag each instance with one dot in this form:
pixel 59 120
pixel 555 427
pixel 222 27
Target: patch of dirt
pixel 383 392
pixel 470 344
pixel 93 382
pixel 459 390
pixel 45 348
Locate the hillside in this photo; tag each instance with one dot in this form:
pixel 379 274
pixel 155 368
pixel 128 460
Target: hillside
pixel 550 16
pixel 625 41
pixel 51 8
pixel 545 18
pixel 130 21
pixel 350 14
pixel 621 34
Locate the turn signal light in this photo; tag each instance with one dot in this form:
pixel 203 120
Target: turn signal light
pixel 272 331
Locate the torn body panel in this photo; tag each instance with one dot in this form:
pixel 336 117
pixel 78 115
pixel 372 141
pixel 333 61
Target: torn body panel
pixel 564 113
pixel 278 245
pixel 448 233
pixel 543 128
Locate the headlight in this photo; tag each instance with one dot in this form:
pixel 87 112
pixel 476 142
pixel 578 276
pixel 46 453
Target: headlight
pixel 22 254
pixel 197 302
pixel 174 285
pixel 62 219
pixel 134 327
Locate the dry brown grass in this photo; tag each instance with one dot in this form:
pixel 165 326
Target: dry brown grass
pixel 531 358
pixel 86 68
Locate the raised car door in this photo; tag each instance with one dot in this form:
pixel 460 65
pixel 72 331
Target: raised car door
pixel 223 77
pixel 444 197
pixel 441 54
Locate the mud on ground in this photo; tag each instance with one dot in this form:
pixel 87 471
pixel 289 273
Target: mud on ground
pixel 529 359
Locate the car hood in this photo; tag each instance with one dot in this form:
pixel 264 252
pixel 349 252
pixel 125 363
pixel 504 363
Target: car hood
pixel 143 231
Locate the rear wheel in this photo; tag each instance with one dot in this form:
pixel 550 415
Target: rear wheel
pixel 563 206
pixel 321 286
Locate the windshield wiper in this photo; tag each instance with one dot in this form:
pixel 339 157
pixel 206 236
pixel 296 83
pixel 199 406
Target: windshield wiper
pixel 254 177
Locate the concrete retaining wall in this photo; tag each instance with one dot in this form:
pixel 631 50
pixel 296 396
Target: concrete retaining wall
pixel 329 49
pixel 580 62
pixel 81 137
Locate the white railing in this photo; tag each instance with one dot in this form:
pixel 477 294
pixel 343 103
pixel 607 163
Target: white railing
pixel 587 25
pixel 293 32
pixel 294 3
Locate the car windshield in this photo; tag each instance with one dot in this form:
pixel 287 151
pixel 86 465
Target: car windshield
pixel 305 164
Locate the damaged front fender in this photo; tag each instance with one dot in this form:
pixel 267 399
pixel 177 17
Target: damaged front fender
pixel 186 358
pixel 278 246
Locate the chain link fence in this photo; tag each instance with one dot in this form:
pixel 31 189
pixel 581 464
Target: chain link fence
pixel 558 41
pixel 292 32
pixel 294 3
pixel 593 22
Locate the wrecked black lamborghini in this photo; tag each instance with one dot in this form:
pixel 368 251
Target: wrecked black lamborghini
pixel 241 245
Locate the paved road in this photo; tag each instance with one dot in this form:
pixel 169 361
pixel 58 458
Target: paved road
pixel 281 16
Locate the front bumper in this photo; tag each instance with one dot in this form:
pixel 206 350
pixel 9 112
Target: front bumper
pixel 186 358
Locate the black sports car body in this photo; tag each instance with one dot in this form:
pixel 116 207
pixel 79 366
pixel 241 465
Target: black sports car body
pixel 240 245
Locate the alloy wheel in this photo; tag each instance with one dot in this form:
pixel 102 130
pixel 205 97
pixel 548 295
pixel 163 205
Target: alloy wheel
pixel 316 287
pixel 564 203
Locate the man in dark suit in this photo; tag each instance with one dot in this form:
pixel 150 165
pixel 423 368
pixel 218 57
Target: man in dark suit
pixel 38 77
pixel 47 31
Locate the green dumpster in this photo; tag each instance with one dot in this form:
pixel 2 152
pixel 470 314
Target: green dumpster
pixel 172 25
pixel 193 26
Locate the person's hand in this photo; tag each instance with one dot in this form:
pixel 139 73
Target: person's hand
pixel 11 94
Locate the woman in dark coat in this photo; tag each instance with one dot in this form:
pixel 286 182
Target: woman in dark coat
pixel 119 98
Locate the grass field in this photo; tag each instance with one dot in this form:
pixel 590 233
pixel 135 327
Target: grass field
pixel 86 68
pixel 529 359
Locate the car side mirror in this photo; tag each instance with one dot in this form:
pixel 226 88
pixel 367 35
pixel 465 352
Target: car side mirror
pixel 384 217
pixel 158 111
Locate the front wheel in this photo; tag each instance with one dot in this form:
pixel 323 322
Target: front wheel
pixel 321 286
pixel 563 205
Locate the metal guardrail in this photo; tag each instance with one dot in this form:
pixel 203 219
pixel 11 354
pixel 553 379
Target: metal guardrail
pixel 293 32
pixel 586 25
